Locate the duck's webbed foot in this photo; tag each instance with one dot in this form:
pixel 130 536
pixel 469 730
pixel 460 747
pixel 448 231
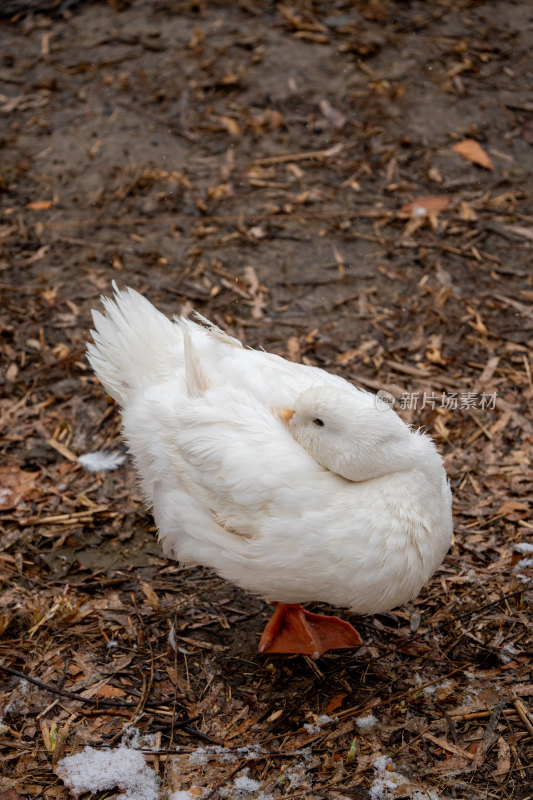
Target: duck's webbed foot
pixel 292 629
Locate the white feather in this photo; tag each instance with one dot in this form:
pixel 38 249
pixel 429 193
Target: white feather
pixel 98 460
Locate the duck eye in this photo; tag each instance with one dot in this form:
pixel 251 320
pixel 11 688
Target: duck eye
pixel 318 422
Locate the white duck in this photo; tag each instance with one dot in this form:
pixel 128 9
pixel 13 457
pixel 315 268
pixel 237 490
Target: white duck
pixel 285 479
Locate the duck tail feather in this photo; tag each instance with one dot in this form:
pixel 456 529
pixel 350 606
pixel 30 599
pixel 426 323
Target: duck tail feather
pixel 215 331
pixel 195 378
pixel 132 343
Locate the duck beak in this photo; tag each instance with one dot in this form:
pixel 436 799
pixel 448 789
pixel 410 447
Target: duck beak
pixel 285 415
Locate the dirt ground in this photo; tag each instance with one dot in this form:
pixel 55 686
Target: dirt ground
pixel 343 183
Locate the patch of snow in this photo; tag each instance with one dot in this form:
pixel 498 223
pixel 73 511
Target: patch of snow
pixel 442 685
pixel 473 688
pixel 315 727
pixel 381 763
pixel 387 780
pixel 297 773
pixel 98 460
pixel 243 787
pixel 366 723
pixel 245 784
pixel 195 793
pixel 524 547
pixel 430 690
pixel 508 652
pixel 523 578
pixel 248 751
pixel 198 757
pixel 111 644
pixel 132 737
pixel 474 577
pixel 224 755
pixel 93 770
pixel 246 788
pixel 20 691
pixel 524 563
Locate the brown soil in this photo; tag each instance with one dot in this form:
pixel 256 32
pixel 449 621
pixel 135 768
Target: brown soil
pixel 257 162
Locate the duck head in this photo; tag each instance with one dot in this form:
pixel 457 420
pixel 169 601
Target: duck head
pixel 356 435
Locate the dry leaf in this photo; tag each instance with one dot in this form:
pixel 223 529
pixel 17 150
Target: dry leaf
pixel 251 279
pixel 275 715
pixel 523 689
pixel 466 213
pixel 11 372
pixel 257 232
pixel 47 734
pixel 442 692
pixel 307 24
pixel 256 292
pixel 343 359
pixel 339 262
pixel 349 356
pixel 450 766
pixel 449 747
pixel 219 192
pixel 504 759
pixel 512 505
pixel 433 350
pixel 232 127
pixel 10 794
pixel 519 230
pixel 39 205
pixel 150 595
pixel 471 150
pixel 435 175
pixel 293 349
pixel 5 620
pixel 337 119
pixel 231 78
pixel 258 304
pixel 335 702
pixel 109 691
pixel 424 206
pixel 14 482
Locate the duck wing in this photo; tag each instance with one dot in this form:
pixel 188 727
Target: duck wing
pixel 217 467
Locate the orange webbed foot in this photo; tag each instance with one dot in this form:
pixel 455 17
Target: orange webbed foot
pixel 292 629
